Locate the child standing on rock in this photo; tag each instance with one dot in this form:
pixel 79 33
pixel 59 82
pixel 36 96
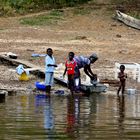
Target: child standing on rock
pixel 122 76
pixel 70 65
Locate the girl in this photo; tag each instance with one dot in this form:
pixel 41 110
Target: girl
pixel 70 65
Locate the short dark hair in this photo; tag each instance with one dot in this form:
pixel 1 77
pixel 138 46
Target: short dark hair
pixel 94 56
pixel 122 67
pixel 71 53
pixel 49 49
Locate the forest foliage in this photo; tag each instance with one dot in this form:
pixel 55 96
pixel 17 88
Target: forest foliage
pixel 12 7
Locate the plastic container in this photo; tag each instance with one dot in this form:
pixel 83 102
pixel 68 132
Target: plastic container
pixel 40 86
pixel 131 91
pixel 24 77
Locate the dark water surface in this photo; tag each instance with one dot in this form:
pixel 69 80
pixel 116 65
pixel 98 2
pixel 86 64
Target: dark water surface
pixel 108 117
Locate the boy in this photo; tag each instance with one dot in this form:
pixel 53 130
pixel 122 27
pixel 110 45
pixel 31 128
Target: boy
pixel 49 69
pixel 122 76
pixel 70 67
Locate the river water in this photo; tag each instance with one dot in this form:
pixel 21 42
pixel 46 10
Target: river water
pixel 99 116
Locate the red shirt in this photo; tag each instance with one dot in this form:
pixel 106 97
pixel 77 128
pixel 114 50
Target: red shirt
pixel 70 65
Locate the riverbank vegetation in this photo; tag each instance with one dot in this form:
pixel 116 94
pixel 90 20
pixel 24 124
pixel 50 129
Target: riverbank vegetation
pixel 22 7
pixel 12 7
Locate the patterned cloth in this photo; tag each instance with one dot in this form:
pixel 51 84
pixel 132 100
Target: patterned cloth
pixel 81 61
pixel 20 69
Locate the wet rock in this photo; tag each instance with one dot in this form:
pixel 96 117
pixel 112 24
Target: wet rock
pixel 3 92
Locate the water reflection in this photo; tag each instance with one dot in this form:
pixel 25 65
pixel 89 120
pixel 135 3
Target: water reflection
pixel 48 116
pixel 2 98
pixel 85 118
pixel 23 102
pixel 73 110
pixel 70 115
pixel 78 117
pixel 121 113
pixel 45 102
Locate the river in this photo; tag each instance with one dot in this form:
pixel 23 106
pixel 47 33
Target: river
pixel 99 116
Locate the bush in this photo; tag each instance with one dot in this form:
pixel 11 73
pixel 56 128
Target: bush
pixel 22 6
pixel 126 2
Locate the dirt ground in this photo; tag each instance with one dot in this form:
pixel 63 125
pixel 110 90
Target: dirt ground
pixel 83 34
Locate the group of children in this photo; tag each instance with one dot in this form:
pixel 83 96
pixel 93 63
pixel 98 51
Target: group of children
pixel 50 65
pixel 72 66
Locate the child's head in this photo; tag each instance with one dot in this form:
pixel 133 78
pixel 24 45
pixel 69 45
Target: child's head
pixel 93 58
pixel 122 68
pixel 49 51
pixel 71 55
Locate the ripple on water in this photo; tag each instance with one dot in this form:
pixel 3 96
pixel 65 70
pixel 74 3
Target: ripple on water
pixel 87 118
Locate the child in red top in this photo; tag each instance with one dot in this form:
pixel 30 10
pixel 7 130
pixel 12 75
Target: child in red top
pixel 70 66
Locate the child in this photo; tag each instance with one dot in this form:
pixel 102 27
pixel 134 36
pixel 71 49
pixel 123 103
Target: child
pixel 122 76
pixel 49 69
pixel 70 66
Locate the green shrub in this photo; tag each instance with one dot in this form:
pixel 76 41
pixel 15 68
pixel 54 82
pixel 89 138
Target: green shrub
pixel 25 6
pixel 38 4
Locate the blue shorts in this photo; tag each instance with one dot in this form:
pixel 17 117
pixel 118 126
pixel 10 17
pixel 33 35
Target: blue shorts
pixel 49 78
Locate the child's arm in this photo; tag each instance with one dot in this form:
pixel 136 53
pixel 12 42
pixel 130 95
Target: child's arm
pixel 87 71
pixel 52 65
pixel 64 72
pixel 125 75
pixel 65 69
